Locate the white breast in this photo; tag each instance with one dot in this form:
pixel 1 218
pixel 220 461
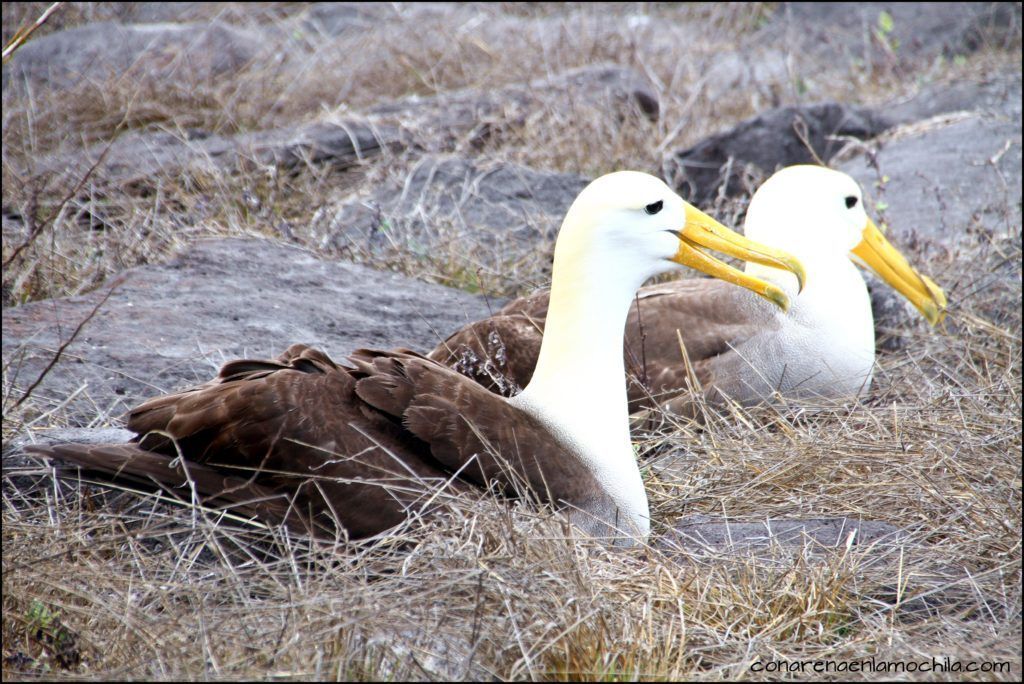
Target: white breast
pixel 601 441
pixel 824 347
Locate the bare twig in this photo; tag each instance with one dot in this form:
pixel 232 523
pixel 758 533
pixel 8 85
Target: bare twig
pixel 38 228
pixel 23 33
pixel 65 345
pixel 800 128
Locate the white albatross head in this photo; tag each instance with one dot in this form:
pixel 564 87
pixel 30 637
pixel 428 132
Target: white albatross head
pixel 633 226
pixel 818 214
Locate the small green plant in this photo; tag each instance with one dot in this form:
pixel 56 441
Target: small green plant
pixel 44 627
pixel 883 32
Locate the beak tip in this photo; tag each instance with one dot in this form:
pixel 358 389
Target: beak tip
pixel 778 298
pixel 934 313
pixel 795 266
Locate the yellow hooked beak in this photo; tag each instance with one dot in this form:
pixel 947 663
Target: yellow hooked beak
pixel 703 232
pixel 885 260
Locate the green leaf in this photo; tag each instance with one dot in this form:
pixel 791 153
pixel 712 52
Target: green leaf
pixel 885 22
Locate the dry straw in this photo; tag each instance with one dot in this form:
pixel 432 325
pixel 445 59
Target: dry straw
pixel 123 585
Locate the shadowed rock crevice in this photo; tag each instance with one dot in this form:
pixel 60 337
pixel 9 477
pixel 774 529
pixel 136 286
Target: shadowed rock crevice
pixel 780 137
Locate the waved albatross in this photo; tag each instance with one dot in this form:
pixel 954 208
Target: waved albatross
pixel 354 450
pixel 823 347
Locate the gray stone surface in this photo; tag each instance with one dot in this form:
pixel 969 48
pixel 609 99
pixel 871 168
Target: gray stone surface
pixel 999 93
pixel 139 159
pixel 20 467
pixel 345 18
pixel 702 534
pixel 89 55
pixel 920 31
pixel 757 68
pixel 52 436
pixel 878 547
pixel 941 179
pixel 945 177
pixel 505 211
pixel 437 122
pixel 171 325
pixel 810 35
pixel 416 123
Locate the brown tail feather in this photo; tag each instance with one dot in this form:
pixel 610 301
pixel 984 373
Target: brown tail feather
pixel 129 464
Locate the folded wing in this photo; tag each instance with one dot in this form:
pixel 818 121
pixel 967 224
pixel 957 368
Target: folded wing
pixel 329 449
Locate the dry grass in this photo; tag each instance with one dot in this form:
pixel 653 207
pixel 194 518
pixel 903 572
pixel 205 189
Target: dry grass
pixel 122 586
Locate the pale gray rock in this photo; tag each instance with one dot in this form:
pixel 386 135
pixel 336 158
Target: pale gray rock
pixel 997 94
pixel 346 18
pixel 878 547
pixel 853 32
pixel 439 123
pixel 942 181
pixel 505 212
pixel 49 437
pixel 141 159
pixel 702 534
pixel 942 178
pixel 89 55
pixel 755 69
pixel 172 325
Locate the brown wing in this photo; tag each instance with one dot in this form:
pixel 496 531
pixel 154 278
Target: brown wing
pixel 499 352
pixel 304 441
pixel 470 430
pixel 293 427
pixel 711 317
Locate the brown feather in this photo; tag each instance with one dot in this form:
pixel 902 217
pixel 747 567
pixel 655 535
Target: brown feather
pixel 712 318
pixel 330 449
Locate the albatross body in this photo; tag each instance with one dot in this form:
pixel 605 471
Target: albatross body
pixel 330 449
pixel 734 344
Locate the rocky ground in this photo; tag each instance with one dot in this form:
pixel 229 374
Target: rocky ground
pixel 185 183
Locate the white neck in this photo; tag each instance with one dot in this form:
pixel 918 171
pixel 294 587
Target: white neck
pixel 578 387
pixel 833 284
pixel 833 314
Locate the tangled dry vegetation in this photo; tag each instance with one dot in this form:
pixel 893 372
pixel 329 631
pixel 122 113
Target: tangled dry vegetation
pixel 123 586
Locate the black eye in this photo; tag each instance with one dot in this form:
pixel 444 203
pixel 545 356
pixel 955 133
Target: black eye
pixel 654 207
pixel 851 202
